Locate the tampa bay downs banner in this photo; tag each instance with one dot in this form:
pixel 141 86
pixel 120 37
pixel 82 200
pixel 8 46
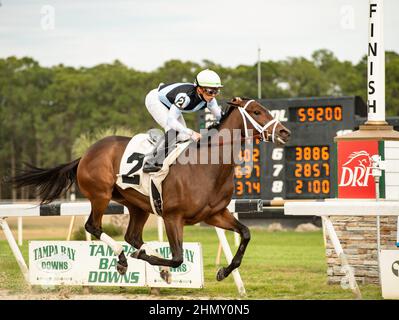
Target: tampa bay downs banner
pixel 90 263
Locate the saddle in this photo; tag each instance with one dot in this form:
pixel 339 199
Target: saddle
pixel 131 173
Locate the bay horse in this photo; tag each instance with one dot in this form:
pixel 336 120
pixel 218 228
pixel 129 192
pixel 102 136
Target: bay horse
pixel 192 193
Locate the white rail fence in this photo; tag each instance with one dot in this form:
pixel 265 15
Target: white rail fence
pixel 83 208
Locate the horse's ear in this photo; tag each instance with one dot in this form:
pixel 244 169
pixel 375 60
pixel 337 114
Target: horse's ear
pixel 235 102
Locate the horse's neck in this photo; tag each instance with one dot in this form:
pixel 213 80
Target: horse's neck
pixel 220 155
pixel 233 121
pixel 225 146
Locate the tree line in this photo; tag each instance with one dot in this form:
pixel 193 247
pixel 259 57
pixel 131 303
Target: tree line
pixel 44 111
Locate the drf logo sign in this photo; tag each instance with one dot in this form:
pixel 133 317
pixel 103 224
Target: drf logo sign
pixel 357 170
pixel 355 179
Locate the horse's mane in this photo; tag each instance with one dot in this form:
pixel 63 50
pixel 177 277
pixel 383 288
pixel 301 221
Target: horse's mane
pixel 226 113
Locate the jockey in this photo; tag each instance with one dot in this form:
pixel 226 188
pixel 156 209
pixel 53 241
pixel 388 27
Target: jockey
pixel 167 104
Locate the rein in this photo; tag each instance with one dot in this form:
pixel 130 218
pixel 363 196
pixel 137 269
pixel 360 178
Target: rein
pixel 255 136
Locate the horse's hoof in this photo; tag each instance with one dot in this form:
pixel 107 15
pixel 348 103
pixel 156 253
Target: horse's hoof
pixel 166 275
pixel 121 268
pixel 220 274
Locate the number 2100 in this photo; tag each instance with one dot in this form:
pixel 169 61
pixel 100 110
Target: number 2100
pixel 313 186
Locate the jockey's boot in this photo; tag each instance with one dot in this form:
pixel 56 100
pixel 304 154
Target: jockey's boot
pixel 161 151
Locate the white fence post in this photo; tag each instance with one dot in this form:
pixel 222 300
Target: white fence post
pixel 229 257
pixel 20 231
pixel 15 249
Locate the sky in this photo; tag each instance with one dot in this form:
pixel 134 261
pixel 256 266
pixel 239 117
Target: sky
pixel 144 34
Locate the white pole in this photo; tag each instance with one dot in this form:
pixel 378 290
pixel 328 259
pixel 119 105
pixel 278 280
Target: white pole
pixel 379 246
pixel 20 231
pixel 397 234
pixel 324 233
pixel 376 64
pixel 377 173
pixel 70 228
pixel 340 253
pixel 377 191
pixel 14 248
pixel 73 198
pixel 160 229
pixel 259 76
pixel 229 257
pixel 219 254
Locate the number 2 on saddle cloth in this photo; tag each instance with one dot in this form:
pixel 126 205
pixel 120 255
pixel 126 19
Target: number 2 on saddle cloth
pixel 135 179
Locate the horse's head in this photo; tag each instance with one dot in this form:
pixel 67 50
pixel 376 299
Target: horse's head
pixel 257 117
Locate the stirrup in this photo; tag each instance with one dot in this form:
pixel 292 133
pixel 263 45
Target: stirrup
pixel 151 167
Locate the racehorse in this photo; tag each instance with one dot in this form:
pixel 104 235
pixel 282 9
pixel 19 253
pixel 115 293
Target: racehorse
pixel 192 193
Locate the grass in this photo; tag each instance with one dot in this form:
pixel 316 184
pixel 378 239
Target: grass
pixel 277 265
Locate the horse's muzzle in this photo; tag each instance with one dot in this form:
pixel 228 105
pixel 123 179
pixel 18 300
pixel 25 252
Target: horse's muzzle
pixel 282 136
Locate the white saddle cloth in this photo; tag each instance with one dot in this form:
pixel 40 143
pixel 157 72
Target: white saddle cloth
pixel 131 173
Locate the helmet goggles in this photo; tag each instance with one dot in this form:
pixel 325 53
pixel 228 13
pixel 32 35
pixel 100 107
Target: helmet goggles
pixel 211 91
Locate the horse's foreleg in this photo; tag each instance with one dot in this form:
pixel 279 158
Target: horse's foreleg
pixel 226 220
pixel 134 236
pixel 134 232
pixel 174 231
pixel 93 226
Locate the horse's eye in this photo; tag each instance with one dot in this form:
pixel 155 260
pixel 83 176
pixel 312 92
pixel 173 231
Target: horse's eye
pixel 257 113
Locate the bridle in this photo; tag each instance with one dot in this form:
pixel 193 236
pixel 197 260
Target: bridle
pixel 270 137
pixel 246 117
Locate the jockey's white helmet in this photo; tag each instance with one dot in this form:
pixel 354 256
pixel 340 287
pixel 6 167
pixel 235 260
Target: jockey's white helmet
pixel 208 78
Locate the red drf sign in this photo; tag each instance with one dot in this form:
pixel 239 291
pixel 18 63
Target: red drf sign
pixel 355 179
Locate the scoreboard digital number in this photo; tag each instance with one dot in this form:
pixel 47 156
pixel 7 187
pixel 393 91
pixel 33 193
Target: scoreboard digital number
pixel 316 114
pixel 308 171
pixel 248 175
pixel 303 168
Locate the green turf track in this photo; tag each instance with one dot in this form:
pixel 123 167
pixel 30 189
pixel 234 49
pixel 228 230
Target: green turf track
pixel 277 265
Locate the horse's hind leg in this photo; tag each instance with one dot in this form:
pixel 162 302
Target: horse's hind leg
pixel 93 226
pixel 226 220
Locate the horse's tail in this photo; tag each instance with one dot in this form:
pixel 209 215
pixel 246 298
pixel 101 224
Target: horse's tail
pixel 50 182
